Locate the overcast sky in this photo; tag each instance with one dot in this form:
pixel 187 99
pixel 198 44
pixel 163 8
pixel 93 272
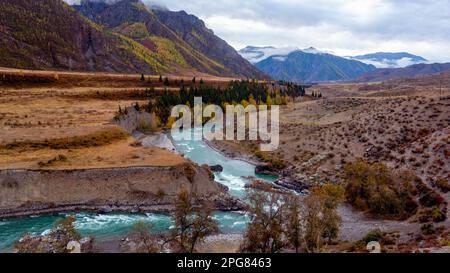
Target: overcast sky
pixel 344 27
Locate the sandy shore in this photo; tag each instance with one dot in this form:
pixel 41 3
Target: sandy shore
pixel 160 140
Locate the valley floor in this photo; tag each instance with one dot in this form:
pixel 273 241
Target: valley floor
pixel 403 124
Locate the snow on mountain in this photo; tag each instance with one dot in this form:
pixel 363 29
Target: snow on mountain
pixel 390 60
pixel 255 54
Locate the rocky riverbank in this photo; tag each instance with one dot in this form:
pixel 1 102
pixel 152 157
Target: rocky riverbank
pixel 133 189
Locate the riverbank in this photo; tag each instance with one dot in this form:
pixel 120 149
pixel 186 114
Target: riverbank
pixel 128 189
pixel 233 155
pixel 220 243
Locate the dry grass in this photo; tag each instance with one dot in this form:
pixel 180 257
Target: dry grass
pixel 119 154
pixel 381 125
pixel 96 139
pixel 21 79
pixel 67 122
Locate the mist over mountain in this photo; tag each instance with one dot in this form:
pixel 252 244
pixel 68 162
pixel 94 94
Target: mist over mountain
pixel 314 65
pixel 306 65
pixel 390 59
pixel 415 70
pixel 255 54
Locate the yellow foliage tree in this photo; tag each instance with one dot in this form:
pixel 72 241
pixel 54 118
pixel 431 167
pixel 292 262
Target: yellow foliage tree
pixel 252 100
pixel 269 102
pixel 244 103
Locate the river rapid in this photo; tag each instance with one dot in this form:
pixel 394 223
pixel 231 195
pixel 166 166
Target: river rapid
pixel 114 225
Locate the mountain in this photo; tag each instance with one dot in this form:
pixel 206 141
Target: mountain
pixel 312 65
pixel 255 54
pixel 49 34
pixel 390 60
pixel 109 36
pixel 175 38
pixel 194 32
pixel 406 72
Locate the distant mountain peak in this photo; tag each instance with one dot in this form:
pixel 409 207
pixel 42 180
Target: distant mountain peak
pixel 305 65
pixel 312 50
pixel 422 69
pixel 390 59
pixel 255 54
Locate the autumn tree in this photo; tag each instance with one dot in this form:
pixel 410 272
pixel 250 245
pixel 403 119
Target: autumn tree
pixel 293 221
pixel 142 235
pixel 321 220
pixel 282 221
pixel 193 223
pixel 265 230
pixel 269 102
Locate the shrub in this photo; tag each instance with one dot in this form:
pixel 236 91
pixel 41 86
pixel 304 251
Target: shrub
pixel 262 155
pixel 96 139
pixel 377 189
pixel 161 194
pixel 274 163
pixel 431 198
pixel 442 184
pixel 373 236
pixel 277 164
pixel 59 158
pixel 438 215
pixel 428 229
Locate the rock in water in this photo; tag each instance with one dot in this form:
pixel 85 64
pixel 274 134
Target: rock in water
pixel 216 168
pixel 292 184
pixel 265 170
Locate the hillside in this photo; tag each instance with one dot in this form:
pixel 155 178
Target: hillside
pixel 124 37
pixel 312 66
pixel 50 34
pixel 177 39
pixel 406 72
pixel 194 32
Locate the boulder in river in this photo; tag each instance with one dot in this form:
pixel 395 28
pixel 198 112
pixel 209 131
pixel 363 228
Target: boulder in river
pixel 226 202
pixel 223 187
pixel 216 168
pixel 265 170
pixel 104 210
pixel 292 184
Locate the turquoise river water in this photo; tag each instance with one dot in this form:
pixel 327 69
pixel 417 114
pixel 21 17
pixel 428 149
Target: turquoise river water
pixel 113 225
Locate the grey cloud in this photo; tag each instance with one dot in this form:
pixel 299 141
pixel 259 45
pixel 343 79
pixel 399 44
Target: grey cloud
pixel 417 26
